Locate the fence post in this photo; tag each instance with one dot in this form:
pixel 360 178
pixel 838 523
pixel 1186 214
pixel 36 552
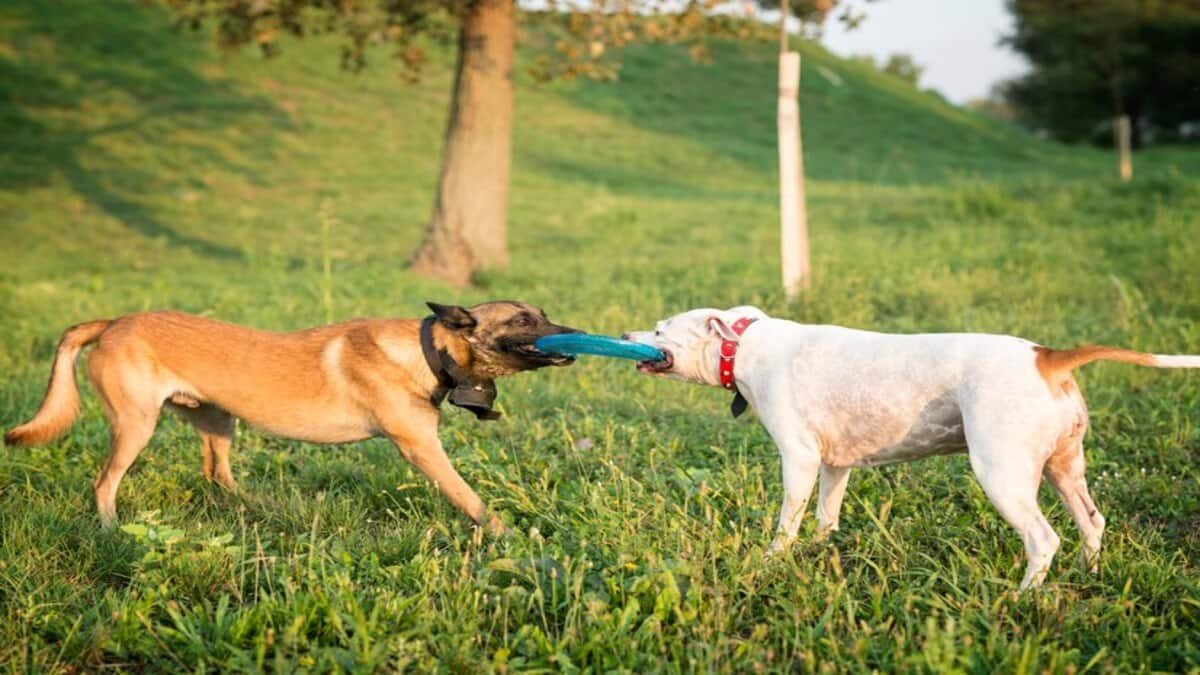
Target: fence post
pixel 1124 132
pixel 793 217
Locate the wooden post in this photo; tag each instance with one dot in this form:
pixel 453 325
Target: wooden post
pixel 793 219
pixel 1123 133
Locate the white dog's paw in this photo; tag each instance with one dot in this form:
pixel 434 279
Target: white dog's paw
pixel 778 546
pixel 824 533
pixel 1091 558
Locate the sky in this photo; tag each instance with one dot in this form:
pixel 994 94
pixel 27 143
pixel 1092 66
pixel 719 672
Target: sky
pixel 955 40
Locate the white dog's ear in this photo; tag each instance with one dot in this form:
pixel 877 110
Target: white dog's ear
pixel 717 325
pixel 748 311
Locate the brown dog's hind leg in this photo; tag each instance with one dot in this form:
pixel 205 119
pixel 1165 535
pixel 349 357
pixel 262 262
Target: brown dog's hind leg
pixel 126 393
pixel 216 436
pixel 132 426
pixel 130 435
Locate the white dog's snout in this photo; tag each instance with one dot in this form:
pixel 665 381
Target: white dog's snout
pixel 640 336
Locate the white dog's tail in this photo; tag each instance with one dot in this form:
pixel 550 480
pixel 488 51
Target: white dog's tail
pixel 61 404
pixel 1176 361
pixel 1058 360
pixel 1056 365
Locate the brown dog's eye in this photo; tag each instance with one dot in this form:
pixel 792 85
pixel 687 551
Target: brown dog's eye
pixel 524 321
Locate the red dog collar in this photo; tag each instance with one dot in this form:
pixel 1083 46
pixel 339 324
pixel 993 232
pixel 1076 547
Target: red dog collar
pixel 725 368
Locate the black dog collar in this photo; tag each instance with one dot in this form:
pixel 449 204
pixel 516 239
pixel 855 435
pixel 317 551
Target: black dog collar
pixel 474 395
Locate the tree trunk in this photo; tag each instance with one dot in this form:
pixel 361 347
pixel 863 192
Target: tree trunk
pixel 469 228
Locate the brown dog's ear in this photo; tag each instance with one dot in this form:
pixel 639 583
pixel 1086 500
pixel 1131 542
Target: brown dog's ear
pixel 452 316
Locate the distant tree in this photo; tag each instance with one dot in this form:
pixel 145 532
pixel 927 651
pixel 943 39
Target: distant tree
pixel 897 65
pixel 993 105
pixel 904 67
pixel 1096 60
pixel 864 59
pixel 811 15
pixel 468 228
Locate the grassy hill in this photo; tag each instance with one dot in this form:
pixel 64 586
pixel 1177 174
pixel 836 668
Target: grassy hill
pixel 139 169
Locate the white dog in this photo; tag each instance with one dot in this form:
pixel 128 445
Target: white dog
pixel 833 398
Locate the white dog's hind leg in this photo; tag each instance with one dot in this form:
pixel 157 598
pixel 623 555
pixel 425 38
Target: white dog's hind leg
pixel 1013 490
pixel 833 491
pixel 1065 471
pixel 1005 444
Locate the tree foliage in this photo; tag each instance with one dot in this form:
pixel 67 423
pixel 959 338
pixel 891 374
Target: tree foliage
pixel 1094 60
pixel 904 67
pixel 813 14
pixel 899 65
pixel 570 38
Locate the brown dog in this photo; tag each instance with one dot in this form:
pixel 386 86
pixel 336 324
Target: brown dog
pixel 334 384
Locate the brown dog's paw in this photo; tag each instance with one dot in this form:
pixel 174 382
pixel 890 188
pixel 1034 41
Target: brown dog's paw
pixel 496 527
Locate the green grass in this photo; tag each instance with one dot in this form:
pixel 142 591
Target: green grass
pixel 140 170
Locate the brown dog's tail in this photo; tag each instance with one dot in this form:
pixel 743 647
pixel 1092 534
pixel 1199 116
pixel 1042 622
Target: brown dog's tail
pixel 1056 365
pixel 61 404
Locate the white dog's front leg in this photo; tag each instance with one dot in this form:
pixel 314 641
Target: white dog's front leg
pixel 833 491
pixel 801 461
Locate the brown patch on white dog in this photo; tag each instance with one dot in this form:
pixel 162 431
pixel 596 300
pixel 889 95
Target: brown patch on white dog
pixel 1055 365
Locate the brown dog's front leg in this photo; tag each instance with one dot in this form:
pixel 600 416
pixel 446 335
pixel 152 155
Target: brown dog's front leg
pixel 424 451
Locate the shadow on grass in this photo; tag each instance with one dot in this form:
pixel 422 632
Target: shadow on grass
pixel 79 77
